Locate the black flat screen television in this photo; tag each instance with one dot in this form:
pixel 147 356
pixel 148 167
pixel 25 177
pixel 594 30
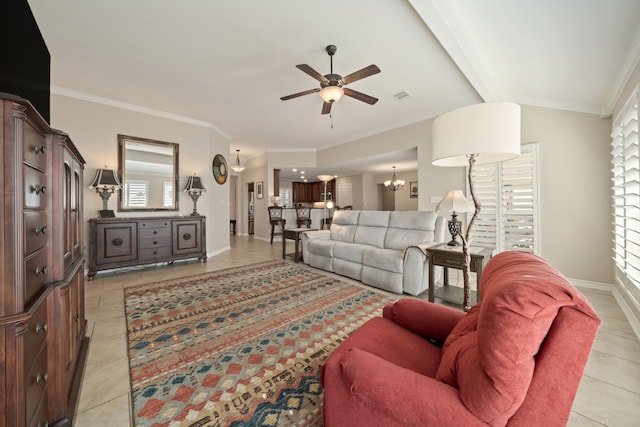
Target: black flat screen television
pixel 24 58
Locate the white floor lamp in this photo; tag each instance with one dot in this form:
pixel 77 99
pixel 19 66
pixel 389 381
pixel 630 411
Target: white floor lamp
pixel 481 133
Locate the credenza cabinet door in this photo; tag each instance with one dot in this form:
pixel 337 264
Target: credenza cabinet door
pixel 187 237
pixel 117 242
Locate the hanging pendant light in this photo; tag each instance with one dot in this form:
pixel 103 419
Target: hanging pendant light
pixel 395 184
pixel 237 167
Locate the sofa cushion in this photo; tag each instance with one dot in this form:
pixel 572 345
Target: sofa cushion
pixel 343 225
pixel 383 259
pixel 407 228
pixel 349 251
pixel 490 354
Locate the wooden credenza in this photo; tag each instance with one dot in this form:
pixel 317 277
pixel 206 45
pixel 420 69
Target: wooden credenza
pixel 125 242
pixel 44 346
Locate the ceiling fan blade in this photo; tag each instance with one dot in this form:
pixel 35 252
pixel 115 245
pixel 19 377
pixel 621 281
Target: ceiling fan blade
pixel 295 95
pixel 326 107
pixel 360 96
pixel 313 73
pixel 361 74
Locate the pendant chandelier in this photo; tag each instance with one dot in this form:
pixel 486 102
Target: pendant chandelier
pixel 395 183
pixel 237 167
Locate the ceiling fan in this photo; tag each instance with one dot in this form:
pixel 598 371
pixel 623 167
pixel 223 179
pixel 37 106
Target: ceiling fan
pixel 331 85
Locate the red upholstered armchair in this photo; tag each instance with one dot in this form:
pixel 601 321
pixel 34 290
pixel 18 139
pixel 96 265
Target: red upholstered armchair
pixel 516 358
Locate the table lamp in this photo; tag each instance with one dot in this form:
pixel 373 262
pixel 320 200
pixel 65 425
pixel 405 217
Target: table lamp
pixel 480 133
pixel 105 183
pixel 454 202
pixel 195 188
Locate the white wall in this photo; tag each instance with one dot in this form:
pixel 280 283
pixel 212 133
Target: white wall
pixel 94 129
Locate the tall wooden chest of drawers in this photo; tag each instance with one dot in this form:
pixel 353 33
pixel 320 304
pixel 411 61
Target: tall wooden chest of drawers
pixel 42 324
pixel 125 242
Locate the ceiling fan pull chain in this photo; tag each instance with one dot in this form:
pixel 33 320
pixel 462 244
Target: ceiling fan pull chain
pixel 331 118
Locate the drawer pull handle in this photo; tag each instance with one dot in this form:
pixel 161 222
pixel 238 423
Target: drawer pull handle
pixel 40 149
pixel 41 270
pixel 41 328
pixel 76 318
pixel 155 252
pixel 186 236
pixel 155 232
pixel 155 243
pixel 42 378
pixel 117 242
pixel 41 230
pixel 39 190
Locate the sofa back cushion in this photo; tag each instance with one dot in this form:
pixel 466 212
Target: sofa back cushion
pixel 372 228
pixel 343 225
pixel 490 354
pixel 407 228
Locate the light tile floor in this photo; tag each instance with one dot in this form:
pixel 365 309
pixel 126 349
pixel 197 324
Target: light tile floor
pixel 609 394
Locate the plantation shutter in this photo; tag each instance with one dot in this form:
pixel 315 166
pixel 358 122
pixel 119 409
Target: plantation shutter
pixel 167 194
pixel 507 192
pixel 136 193
pixel 625 159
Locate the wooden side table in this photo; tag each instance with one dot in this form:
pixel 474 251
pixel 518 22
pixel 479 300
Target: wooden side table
pixel 293 234
pixel 451 257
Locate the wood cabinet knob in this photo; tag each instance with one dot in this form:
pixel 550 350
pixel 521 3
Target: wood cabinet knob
pixel 117 242
pixel 186 236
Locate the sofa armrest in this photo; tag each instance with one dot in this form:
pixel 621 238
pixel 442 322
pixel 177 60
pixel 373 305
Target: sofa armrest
pixel 308 236
pixel 316 234
pixel 402 394
pixel 429 320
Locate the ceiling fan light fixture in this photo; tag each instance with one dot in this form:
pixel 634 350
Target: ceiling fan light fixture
pixel 331 93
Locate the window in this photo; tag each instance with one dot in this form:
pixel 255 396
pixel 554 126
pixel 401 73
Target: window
pixel 136 193
pixel 625 160
pixel 507 192
pixel 167 194
pixel 286 200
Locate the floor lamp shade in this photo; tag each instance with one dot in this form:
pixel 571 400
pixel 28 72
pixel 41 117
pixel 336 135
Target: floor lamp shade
pixel 481 133
pixel 489 131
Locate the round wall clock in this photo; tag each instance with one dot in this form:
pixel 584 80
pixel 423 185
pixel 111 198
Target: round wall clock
pixel 220 170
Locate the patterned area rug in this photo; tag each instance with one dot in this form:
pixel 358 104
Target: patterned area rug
pixel 239 347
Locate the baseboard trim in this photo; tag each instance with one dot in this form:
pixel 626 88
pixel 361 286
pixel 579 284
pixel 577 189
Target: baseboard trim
pixel 598 286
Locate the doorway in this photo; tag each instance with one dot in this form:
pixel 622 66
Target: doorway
pixel 251 204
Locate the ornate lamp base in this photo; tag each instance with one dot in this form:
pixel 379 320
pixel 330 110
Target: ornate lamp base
pixel 454 228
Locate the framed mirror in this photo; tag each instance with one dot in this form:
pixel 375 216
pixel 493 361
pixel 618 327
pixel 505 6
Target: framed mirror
pixel 148 171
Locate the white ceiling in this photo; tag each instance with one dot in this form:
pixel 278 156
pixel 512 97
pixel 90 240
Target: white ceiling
pixel 226 63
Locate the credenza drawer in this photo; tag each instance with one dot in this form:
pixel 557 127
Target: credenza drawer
pixel 155 242
pixel 35 230
pixel 35 188
pixel 34 148
pixel 154 224
pixel 146 232
pixel 36 272
pixel 36 381
pixel 36 335
pixel 155 253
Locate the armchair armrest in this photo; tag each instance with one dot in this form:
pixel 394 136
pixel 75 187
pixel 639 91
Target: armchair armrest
pixel 424 318
pixel 409 397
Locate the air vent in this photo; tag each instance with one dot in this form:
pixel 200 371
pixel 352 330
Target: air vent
pixel 401 95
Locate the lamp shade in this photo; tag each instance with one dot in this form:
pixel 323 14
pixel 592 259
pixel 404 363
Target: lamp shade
pixel 325 178
pixel 105 178
pixel 331 93
pixel 454 201
pixel 194 184
pixel 491 131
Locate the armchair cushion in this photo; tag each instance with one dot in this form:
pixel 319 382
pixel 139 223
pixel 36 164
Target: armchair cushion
pixel 490 354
